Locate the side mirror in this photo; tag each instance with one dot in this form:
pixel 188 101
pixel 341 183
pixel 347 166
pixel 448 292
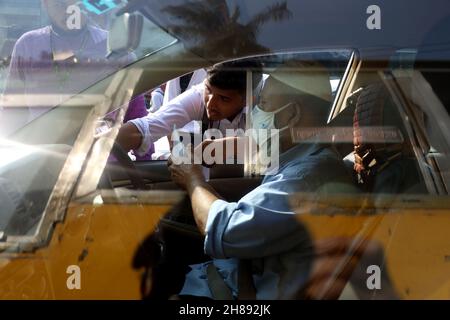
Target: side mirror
pixel 125 34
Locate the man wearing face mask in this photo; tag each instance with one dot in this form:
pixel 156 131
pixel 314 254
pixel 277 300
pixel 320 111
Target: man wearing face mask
pixel 281 103
pixel 259 235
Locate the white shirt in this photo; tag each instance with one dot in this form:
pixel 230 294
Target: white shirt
pixel 176 114
pixel 173 88
pixel 156 100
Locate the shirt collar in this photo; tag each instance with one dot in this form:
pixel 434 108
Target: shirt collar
pixel 97 35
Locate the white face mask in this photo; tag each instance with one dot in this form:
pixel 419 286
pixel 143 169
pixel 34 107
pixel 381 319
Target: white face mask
pixel 266 120
pixel 268 141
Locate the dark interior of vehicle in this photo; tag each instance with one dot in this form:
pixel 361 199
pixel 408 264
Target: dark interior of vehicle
pixel 395 169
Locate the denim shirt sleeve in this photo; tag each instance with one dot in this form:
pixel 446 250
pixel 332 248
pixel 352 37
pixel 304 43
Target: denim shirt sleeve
pixel 254 226
pixel 262 223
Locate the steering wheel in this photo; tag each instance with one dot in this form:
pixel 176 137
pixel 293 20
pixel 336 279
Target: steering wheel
pixel 127 165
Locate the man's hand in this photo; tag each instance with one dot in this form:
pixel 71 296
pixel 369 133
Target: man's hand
pixel 186 175
pixel 129 137
pixel 190 177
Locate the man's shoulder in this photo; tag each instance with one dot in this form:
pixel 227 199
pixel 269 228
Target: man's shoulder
pixel 33 35
pixel 323 154
pixel 44 31
pixel 200 87
pixel 192 95
pixel 325 162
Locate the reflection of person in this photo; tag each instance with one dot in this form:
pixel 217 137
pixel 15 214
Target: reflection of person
pixel 217 103
pixel 50 64
pixel 259 233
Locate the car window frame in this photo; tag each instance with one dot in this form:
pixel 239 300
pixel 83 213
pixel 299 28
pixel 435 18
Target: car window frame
pixel 436 182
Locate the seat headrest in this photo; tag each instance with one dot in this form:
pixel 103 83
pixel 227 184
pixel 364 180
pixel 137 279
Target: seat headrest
pixel 378 132
pixel 376 120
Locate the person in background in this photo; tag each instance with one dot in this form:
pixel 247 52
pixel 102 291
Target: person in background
pixel 155 99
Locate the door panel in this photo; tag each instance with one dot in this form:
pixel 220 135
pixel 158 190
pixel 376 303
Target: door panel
pixel 101 239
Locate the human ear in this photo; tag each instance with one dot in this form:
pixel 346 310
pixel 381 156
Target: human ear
pixel 289 117
pixel 297 115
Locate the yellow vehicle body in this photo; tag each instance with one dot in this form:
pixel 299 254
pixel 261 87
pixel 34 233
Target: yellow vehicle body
pixel 413 236
pixel 100 239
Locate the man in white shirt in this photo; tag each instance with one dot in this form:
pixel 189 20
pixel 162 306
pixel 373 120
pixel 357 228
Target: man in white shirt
pixel 177 86
pixel 218 103
pixel 155 99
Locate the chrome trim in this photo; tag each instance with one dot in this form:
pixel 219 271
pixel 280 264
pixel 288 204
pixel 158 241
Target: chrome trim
pixel 248 167
pixel 345 85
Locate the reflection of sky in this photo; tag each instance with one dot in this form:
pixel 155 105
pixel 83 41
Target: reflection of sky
pixel 316 24
pixel 334 84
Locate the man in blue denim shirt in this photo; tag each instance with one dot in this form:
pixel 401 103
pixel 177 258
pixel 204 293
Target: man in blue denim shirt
pixel 261 227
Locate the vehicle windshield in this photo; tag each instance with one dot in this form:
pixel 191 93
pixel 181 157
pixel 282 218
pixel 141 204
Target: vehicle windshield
pixel 60 48
pixel 52 54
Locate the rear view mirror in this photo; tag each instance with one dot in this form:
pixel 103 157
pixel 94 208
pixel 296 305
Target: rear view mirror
pixel 125 34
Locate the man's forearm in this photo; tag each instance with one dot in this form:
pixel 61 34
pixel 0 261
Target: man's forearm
pixel 202 197
pixel 129 137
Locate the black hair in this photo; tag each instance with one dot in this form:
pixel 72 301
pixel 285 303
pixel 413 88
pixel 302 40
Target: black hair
pixel 232 75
